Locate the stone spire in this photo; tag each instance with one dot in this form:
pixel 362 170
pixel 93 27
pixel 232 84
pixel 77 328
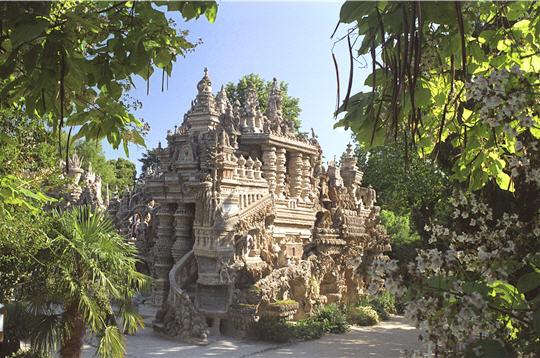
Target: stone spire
pixel 273 108
pixel 349 170
pixel 251 101
pixel 205 101
pixel 222 101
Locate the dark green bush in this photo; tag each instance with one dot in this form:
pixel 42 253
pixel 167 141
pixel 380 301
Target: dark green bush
pixel 332 319
pixel 308 329
pixel 272 329
pixel 281 331
pixel 363 316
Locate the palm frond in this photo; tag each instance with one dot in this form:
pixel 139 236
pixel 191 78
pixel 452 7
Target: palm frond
pixel 111 344
pixel 131 319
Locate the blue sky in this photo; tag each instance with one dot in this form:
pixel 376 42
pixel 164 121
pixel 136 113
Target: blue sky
pixel 287 40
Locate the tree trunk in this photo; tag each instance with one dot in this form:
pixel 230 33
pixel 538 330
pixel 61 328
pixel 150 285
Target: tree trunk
pixel 72 346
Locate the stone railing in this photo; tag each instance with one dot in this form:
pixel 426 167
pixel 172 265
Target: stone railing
pixel 179 275
pixel 255 207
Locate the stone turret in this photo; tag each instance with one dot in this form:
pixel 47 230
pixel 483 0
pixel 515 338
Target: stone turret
pixel 349 169
pixel 203 114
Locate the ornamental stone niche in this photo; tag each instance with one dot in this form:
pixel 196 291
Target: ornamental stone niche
pixel 246 218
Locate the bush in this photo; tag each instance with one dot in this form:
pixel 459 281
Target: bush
pixel 308 329
pixel 384 304
pixel 281 331
pixel 363 316
pixel 332 319
pixel 272 329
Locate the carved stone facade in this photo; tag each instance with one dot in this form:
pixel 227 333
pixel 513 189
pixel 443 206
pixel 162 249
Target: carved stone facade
pixel 248 217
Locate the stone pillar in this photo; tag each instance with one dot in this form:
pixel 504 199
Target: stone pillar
pixel 163 257
pixel 306 178
pixel 269 167
pixel 249 168
pixel 241 170
pixel 183 218
pixel 296 179
pixel 280 171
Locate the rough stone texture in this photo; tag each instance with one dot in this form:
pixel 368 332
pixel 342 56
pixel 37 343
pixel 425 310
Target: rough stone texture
pixel 246 215
pixel 84 186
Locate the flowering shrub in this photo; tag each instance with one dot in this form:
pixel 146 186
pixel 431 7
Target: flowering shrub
pixel 466 94
pixel 477 281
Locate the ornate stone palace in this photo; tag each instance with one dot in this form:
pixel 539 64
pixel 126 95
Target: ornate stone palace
pixel 239 219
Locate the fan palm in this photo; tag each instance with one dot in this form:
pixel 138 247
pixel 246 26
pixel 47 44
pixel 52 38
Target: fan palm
pixel 92 269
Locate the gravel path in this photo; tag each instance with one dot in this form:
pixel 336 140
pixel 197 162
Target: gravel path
pixel 386 340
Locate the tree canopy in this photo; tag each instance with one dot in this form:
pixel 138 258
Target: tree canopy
pixel 419 190
pixel 455 80
pixel 291 108
pixel 72 63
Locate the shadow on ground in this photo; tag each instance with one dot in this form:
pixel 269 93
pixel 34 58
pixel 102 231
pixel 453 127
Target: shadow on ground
pixel 387 340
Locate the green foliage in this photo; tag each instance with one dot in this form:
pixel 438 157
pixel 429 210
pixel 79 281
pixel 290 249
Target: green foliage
pixel 84 267
pixel 398 227
pixel 281 331
pixel 363 316
pixel 422 94
pixel 412 186
pixel 148 160
pixel 384 303
pixel 28 163
pixel 72 63
pixel 272 330
pixel 124 173
pixel 291 108
pixel 327 319
pixel 332 318
pixel 403 238
pixel 308 329
pixel 95 261
pixel 23 243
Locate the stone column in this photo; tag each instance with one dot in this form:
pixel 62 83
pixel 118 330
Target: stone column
pixel 183 218
pixel 306 178
pixel 163 257
pixel 296 179
pixel 280 171
pixel 269 167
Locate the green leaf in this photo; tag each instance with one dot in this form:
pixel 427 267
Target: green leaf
pixel 26 31
pixel 355 10
pixel 504 181
pixel 529 282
